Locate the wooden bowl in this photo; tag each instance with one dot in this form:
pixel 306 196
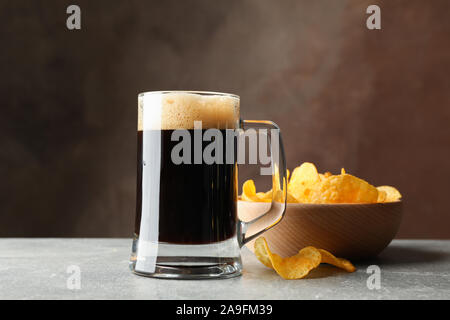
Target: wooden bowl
pixel 353 231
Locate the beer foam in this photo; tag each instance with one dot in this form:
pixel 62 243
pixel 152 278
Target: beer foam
pixel 179 110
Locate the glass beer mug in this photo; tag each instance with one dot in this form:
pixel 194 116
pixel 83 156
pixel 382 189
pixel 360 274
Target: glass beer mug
pixel 187 224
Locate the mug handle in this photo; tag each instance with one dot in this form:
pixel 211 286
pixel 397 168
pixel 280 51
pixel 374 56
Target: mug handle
pixel 252 229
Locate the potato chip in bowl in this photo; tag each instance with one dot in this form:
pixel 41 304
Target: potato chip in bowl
pixel 307 185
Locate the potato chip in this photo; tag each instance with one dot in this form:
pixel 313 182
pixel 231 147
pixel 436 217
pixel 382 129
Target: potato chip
pixel 280 197
pixel 298 266
pixel 381 195
pixel 268 195
pixel 343 189
pixel 249 194
pixel 302 181
pixel 325 175
pixel 279 194
pixel 291 198
pixel 263 198
pixel 261 252
pixel 249 191
pixel 337 262
pixel 392 194
pixel 295 267
pixel 306 185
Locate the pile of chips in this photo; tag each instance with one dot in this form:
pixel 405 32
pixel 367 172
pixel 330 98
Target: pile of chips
pixel 307 185
pixel 298 266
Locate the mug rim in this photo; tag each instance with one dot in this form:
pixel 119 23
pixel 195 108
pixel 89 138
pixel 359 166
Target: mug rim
pixel 203 93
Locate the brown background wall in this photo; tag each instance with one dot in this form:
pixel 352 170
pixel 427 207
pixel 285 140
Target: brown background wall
pixel 374 102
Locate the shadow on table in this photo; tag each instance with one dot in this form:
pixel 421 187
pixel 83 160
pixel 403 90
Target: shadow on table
pixel 392 255
pixel 397 255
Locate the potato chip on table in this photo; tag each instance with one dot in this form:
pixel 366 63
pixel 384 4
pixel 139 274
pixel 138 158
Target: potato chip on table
pixel 342 263
pixel 295 267
pixel 299 265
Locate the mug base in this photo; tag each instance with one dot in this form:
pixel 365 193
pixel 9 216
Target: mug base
pixel 174 268
pixel 173 261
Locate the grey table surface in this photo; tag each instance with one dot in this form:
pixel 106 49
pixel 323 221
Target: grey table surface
pixel 40 269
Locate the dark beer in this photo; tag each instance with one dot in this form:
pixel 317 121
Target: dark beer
pixel 197 202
